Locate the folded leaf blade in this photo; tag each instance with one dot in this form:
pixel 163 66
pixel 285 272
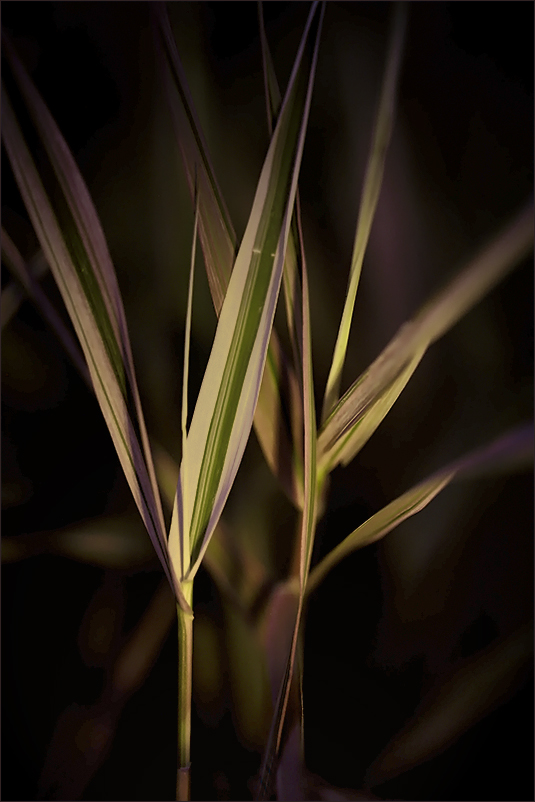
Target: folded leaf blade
pixel 296 591
pixel 279 392
pixel 514 448
pixel 490 266
pixel 225 406
pixel 290 280
pixel 369 199
pixel 77 253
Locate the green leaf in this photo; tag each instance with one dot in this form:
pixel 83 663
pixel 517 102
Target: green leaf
pixel 236 570
pixel 312 492
pixel 370 416
pixel 513 448
pixel 370 196
pixel 362 408
pixel 290 278
pixel 276 418
pixel 185 544
pixel 225 406
pixel 78 256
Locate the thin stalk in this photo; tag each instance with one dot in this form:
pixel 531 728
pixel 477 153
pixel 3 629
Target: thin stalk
pixel 185 664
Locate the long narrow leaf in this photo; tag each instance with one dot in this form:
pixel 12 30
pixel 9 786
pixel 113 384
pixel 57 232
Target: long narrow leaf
pixel 290 275
pixel 369 198
pixel 80 261
pixel 225 406
pixel 350 443
pixel 514 447
pixel 276 418
pixel 308 525
pixel 185 545
pixel 339 439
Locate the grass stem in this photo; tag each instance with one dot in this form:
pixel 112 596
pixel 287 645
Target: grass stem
pixel 185 656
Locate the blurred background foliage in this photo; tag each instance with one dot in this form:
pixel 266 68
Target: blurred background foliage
pixel 442 605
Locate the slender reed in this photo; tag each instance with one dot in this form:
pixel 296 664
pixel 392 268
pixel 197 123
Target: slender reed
pixel 185 665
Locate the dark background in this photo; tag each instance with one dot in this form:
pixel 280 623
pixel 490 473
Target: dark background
pixel 394 618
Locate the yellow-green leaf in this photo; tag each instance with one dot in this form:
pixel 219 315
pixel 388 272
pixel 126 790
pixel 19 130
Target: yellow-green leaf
pixel 74 245
pixel 513 447
pixel 340 438
pixel 370 196
pixel 312 491
pixel 224 411
pixel 276 420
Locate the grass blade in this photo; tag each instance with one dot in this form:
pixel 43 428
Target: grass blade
pixel 78 256
pixel 216 233
pixel 185 544
pixel 339 439
pixel 350 443
pixel 225 406
pixel 308 525
pixel 272 93
pixel 275 417
pixel 370 196
pixel 513 448
pixel 238 573
pixel 290 278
